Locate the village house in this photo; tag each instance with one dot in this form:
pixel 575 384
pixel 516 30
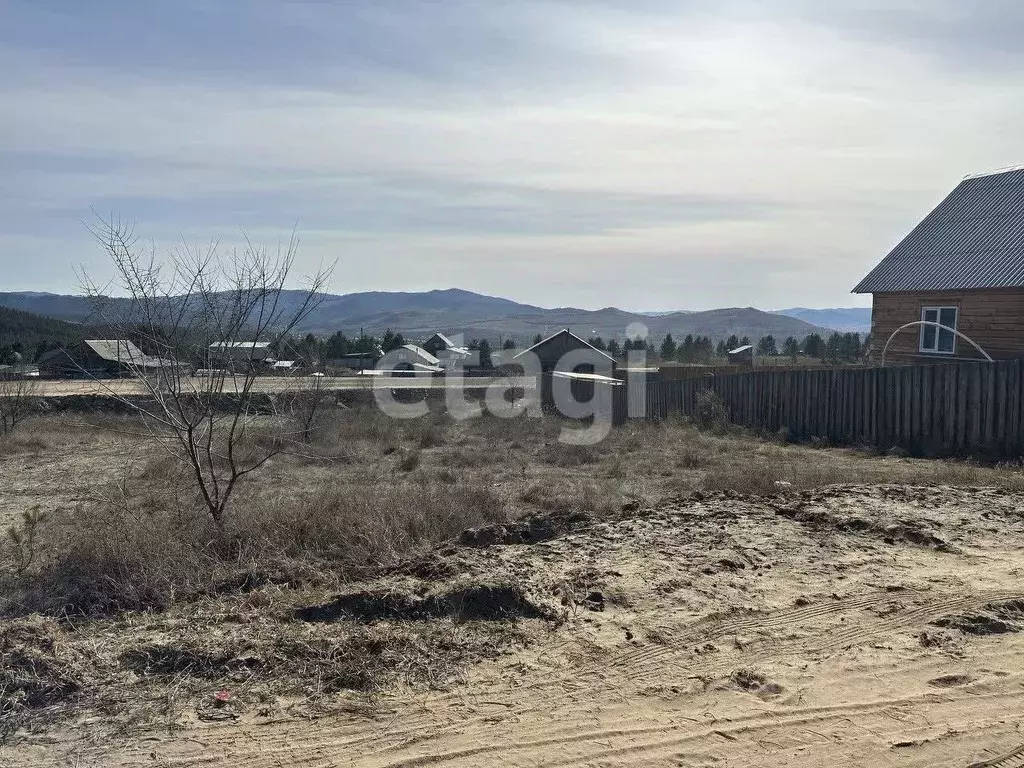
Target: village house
pixel 447 352
pixel 233 353
pixel 99 358
pixel 410 357
pixel 962 268
pixel 356 361
pixel 552 349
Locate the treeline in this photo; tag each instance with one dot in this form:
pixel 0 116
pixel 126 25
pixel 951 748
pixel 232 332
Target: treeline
pixel 25 336
pixel 838 347
pixel 312 350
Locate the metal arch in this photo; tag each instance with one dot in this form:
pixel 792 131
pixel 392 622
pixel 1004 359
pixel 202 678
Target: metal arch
pixel 963 336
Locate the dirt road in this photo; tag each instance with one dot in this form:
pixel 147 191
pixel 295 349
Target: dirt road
pixel 64 387
pixel 851 626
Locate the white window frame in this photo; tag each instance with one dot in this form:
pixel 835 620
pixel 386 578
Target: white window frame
pixel 938 318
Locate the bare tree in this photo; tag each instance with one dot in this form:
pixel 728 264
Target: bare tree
pixel 201 318
pixel 18 398
pixel 304 401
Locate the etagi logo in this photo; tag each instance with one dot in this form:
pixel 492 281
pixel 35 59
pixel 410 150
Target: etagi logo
pixel 563 374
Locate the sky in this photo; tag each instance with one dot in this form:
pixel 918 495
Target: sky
pixel 645 154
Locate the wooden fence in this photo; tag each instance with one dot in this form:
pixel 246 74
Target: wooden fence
pixel 676 371
pixel 950 408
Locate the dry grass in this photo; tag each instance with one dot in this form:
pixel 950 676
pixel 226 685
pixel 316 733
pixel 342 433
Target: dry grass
pixel 144 671
pixel 368 491
pixel 357 531
pixel 652 460
pixel 37 669
pixel 362 496
pixel 102 558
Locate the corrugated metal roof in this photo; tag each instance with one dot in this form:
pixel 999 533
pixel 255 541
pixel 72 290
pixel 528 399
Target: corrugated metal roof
pixel 240 345
pixel 588 377
pixel 448 343
pixel 420 352
pixel 973 239
pixel 123 352
pixel 116 351
pixel 565 331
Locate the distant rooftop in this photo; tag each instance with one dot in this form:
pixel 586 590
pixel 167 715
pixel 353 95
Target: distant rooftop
pixel 240 345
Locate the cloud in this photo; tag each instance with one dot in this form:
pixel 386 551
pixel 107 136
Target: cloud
pixel 647 154
pixel 960 39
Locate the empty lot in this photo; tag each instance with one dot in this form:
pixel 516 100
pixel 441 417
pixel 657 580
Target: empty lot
pixel 671 597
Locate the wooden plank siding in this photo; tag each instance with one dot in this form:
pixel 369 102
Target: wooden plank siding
pixel 994 318
pixel 968 408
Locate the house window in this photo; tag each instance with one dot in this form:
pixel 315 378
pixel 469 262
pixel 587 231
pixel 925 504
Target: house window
pixel 934 339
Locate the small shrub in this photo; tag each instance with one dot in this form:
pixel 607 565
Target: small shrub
pixel 466 457
pixel 410 460
pixel 362 424
pixel 429 431
pixel 358 528
pixel 35 672
pixel 696 453
pixel 709 410
pixel 567 455
pixel 23 539
pixel 100 559
pixel 19 399
pixel 560 498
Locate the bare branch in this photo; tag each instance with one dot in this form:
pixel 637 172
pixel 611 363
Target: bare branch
pixel 196 309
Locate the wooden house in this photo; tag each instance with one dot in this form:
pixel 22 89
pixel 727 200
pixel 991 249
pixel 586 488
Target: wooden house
pixel 415 359
pixel 957 280
pixel 240 353
pixel 98 358
pixel 447 352
pixel 553 349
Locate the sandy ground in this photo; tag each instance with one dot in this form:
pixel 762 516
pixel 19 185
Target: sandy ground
pixel 867 626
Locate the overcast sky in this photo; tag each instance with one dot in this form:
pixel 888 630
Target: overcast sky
pixel 647 154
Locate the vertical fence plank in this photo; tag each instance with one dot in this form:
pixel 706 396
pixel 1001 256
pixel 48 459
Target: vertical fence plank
pixel 1012 425
pixel 948 407
pixel 962 392
pixel 975 407
pixel 805 404
pixel 909 400
pixel 885 410
pixel 1000 402
pixel 916 406
pixel 941 396
pixel 949 385
pixel 1018 408
pixel 988 392
pixel 927 404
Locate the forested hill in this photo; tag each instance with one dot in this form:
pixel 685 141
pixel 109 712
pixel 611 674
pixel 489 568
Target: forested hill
pixel 29 334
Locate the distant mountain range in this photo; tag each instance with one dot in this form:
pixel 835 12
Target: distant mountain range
pixel 857 319
pixel 454 311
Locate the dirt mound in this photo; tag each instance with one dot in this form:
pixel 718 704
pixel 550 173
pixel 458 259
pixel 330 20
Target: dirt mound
pixel 433 566
pixel 529 531
pixel 752 681
pixel 951 681
pixel 907 531
pixel 162 659
pixel 473 602
pixel 994 619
